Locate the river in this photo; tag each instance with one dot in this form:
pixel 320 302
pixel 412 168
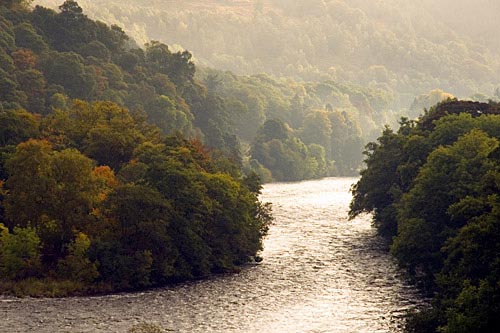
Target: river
pixel 321 273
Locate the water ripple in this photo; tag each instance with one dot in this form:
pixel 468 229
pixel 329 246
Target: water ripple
pixel 321 273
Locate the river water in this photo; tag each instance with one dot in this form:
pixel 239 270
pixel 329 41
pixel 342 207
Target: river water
pixel 321 273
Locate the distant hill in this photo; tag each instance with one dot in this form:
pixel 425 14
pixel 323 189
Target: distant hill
pixel 400 46
pixel 476 19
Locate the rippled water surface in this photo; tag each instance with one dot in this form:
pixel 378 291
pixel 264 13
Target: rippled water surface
pixel 321 273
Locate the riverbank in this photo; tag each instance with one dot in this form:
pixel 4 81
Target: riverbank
pixel 48 287
pixel 320 272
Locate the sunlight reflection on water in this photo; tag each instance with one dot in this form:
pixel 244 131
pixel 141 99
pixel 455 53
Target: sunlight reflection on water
pixel 321 273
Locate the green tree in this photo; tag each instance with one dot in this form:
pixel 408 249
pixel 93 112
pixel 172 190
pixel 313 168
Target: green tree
pixel 27 37
pixel 33 83
pixel 449 175
pixel 178 66
pixel 27 183
pixel 317 128
pixel 7 39
pixel 6 62
pixel 68 70
pixel 164 112
pixel 8 88
pixel 17 126
pixel 273 129
pixel 19 253
pixel 55 192
pixel 379 188
pixel 143 216
pixel 76 265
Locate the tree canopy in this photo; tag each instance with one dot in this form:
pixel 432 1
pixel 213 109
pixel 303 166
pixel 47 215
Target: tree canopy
pixel 402 47
pixel 433 189
pixel 105 181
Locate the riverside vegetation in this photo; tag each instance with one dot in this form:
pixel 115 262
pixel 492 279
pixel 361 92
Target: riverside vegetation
pixel 336 113
pixel 433 188
pixel 95 196
pixel 124 167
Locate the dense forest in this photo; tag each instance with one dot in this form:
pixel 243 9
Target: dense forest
pixel 128 163
pixel 324 124
pixel 403 47
pixel 223 110
pixel 370 62
pixel 105 182
pixel 433 188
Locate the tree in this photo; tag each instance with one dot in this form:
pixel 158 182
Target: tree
pixel 8 88
pixel 27 183
pixel 19 253
pixel 379 188
pixel 54 192
pixel 18 126
pixel 470 274
pixel 24 59
pixel 27 37
pixel 67 69
pixel 33 84
pixel 164 113
pixel 76 265
pixel 143 216
pixel 96 49
pixel 6 62
pixel 273 129
pixel 178 66
pixel 114 136
pixel 449 175
pixel 7 39
pixel 17 3
pixel 317 129
pixel 71 9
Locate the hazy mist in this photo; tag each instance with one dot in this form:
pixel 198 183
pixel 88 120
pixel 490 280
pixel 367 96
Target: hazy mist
pixel 408 48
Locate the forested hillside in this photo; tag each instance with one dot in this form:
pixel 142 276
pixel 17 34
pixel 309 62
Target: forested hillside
pixel 404 47
pixel 223 110
pixel 104 182
pixel 127 163
pixel 324 125
pixel 362 64
pixel 433 188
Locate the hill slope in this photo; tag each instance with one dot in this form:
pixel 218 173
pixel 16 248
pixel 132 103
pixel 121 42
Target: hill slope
pixel 401 46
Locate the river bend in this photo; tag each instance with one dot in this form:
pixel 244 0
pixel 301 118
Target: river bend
pixel 321 273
